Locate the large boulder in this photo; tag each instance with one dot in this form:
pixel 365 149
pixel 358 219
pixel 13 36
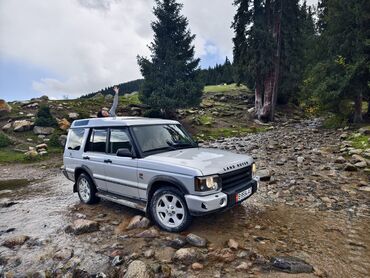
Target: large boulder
pixel 4 108
pixel 43 130
pixel 22 125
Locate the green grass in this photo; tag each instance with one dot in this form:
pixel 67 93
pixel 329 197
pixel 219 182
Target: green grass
pixel 360 141
pixel 224 88
pixel 9 156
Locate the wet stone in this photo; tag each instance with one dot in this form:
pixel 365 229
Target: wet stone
pixel 137 222
pixel 291 265
pixel 82 226
pixel 177 243
pixel 5 203
pixel 196 240
pixel 117 260
pixel 150 233
pixel 15 241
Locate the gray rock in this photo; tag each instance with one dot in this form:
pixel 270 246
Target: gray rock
pixel 138 221
pixel 187 255
pixel 7 127
pixel 5 203
pixel 150 233
pixel 196 240
pixel 15 241
pixel 264 175
pixel 117 260
pixel 350 167
pixel 177 243
pixel 138 269
pixel 361 164
pixel 81 226
pixel 73 115
pixel 291 265
pixel 42 130
pixel 22 125
pixel 365 130
pixel 62 140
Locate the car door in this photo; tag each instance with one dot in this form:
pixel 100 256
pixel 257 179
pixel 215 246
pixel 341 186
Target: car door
pixel 95 156
pixel 122 171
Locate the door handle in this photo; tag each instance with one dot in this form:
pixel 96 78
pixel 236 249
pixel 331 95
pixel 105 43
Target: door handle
pixel 86 157
pixel 108 161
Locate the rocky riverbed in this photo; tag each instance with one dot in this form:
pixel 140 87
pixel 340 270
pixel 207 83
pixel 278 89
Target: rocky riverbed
pixel 310 218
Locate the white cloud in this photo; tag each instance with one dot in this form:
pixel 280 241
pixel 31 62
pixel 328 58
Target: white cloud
pixel 91 44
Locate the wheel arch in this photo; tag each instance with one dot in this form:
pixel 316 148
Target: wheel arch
pixel 78 172
pixel 160 181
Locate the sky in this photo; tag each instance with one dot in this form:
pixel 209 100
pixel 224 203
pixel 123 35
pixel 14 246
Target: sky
pixel 73 47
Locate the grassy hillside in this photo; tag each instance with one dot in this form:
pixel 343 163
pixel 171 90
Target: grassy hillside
pixel 223 112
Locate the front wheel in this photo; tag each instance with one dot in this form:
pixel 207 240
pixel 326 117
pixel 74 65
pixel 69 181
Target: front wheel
pixel 86 189
pixel 168 209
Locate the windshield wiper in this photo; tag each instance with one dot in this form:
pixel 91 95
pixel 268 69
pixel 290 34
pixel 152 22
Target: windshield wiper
pixel 180 144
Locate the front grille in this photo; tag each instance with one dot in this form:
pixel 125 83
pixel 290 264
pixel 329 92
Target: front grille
pixel 237 177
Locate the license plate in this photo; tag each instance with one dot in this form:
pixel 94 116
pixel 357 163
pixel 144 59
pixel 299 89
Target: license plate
pixel 244 194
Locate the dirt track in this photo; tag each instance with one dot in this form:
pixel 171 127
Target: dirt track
pixel 309 209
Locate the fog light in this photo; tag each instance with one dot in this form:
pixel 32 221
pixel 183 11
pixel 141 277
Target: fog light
pixel 222 201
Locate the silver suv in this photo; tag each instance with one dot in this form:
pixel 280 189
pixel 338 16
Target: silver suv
pixel 155 166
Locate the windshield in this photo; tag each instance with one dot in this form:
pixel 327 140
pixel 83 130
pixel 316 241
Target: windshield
pixel 162 137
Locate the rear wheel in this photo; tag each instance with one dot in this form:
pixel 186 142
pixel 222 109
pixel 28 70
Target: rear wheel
pixel 168 209
pixel 86 189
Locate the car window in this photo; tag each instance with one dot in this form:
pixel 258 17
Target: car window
pixel 119 139
pixel 156 137
pixel 75 139
pixel 97 140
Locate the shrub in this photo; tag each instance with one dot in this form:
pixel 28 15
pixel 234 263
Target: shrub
pixel 44 117
pixel 54 140
pixel 4 140
pixel 153 113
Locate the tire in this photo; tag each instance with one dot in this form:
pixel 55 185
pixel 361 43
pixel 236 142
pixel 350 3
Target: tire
pixel 169 210
pixel 86 189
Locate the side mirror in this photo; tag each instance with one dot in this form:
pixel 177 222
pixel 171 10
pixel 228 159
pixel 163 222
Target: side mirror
pixel 124 153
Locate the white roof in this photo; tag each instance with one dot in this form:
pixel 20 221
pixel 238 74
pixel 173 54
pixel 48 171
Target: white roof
pixel 119 121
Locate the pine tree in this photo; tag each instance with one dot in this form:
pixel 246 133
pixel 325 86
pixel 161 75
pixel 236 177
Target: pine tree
pixel 341 77
pixel 171 75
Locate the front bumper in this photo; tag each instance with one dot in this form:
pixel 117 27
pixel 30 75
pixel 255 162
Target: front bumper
pixel 226 199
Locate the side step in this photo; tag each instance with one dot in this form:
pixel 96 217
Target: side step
pixel 122 201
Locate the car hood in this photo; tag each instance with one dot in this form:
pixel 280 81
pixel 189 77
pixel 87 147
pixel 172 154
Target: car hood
pixel 208 161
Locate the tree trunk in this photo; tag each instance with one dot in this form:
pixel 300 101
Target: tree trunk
pixel 268 91
pixel 277 37
pixel 358 108
pixel 258 100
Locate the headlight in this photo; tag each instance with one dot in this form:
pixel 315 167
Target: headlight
pixel 254 169
pixel 207 183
